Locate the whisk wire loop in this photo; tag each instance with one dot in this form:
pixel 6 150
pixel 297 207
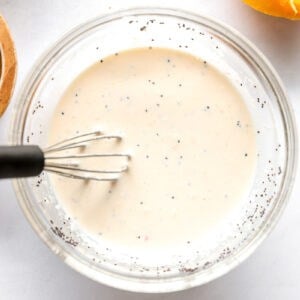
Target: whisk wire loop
pixel 72 169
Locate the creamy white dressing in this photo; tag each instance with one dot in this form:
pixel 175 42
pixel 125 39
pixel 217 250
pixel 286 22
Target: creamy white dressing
pixel 192 143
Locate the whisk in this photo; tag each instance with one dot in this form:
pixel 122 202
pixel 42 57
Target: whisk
pixel 31 160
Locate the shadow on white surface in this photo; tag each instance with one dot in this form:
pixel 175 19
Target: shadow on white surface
pixel 279 40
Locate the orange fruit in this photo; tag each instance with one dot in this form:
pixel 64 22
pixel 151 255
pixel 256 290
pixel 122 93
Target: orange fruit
pixel 289 9
pixel 8 65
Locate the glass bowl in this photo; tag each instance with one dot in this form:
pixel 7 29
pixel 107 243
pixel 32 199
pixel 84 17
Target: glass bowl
pixel 264 96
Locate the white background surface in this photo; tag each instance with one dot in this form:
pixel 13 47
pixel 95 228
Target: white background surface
pixel 28 270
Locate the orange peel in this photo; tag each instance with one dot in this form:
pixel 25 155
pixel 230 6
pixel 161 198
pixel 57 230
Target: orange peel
pixel 8 65
pixel 289 9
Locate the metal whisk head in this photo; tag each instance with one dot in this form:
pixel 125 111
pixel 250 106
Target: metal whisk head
pixel 60 160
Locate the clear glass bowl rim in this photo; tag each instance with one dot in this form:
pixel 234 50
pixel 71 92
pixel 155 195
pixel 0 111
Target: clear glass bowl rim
pixel 162 285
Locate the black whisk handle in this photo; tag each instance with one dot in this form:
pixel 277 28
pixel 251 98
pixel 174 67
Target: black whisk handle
pixel 21 161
